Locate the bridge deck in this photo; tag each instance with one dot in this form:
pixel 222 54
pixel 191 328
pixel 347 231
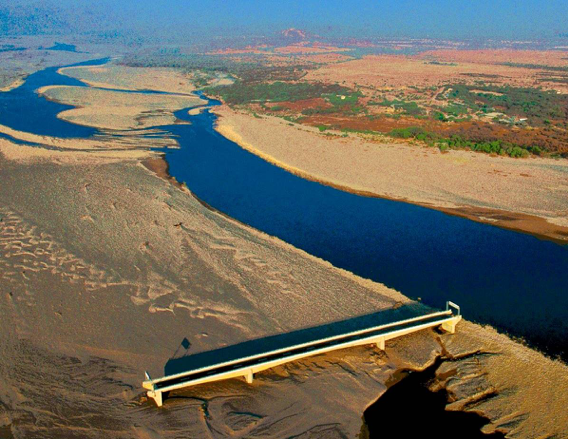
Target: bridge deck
pixel 249 365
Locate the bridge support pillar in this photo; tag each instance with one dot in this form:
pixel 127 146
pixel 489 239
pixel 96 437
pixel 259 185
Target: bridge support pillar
pixel 450 326
pixel 249 376
pixel 156 395
pixel 381 344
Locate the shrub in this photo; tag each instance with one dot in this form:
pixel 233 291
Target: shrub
pixel 517 152
pixel 536 150
pixel 343 98
pixel 457 142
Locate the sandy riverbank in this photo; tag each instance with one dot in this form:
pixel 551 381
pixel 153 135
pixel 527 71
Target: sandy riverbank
pixel 529 195
pixel 131 78
pixel 113 110
pixel 107 267
pixel 124 120
pixel 12 85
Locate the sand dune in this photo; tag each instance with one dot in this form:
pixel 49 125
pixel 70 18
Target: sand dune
pixel 106 268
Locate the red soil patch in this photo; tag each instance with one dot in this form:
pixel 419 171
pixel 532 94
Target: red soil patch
pixel 382 125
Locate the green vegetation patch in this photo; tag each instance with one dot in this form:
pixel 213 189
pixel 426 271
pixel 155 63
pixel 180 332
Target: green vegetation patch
pixel 457 142
pixel 455 109
pixel 244 93
pixel 440 63
pixel 537 66
pixel 344 98
pixel 343 103
pixel 409 108
pixel 536 105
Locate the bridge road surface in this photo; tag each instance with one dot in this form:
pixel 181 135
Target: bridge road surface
pixel 246 366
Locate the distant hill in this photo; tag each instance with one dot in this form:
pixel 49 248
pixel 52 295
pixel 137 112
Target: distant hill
pixel 293 33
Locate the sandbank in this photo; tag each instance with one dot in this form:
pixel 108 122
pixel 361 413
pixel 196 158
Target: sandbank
pixel 529 195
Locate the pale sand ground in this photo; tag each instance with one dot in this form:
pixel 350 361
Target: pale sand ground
pixel 107 140
pixel 535 187
pixel 131 78
pixel 17 153
pixel 195 111
pixel 499 56
pixel 113 110
pixel 106 268
pixel 14 84
pixel 400 71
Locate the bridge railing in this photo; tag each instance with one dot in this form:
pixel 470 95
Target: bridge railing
pixel 450 305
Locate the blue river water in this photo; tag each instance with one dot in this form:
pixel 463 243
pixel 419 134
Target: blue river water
pixel 513 281
pixel 23 110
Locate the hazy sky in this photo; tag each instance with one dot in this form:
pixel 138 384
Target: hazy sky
pixel 441 18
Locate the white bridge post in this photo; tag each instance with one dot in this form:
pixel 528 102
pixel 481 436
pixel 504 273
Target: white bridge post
pixel 249 376
pixel 156 395
pixel 450 326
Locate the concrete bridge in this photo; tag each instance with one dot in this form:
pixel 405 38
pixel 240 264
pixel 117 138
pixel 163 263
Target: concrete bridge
pixel 247 366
